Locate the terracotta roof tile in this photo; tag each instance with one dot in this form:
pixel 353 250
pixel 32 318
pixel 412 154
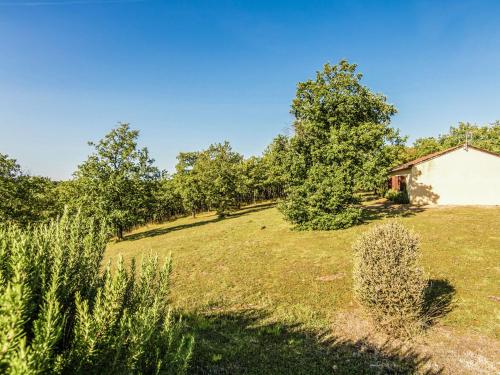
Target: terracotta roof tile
pixel 435 155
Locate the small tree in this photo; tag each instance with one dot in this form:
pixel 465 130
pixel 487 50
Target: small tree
pixel 188 182
pixel 115 181
pixel 388 279
pixel 210 179
pixel 220 168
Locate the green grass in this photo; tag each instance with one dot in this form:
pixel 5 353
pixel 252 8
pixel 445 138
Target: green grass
pixel 259 294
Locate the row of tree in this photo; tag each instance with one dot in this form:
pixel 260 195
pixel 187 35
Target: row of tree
pixel 342 143
pixel 119 182
pixel 486 137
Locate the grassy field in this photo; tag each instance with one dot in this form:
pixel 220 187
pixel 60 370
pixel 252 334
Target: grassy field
pixel 263 298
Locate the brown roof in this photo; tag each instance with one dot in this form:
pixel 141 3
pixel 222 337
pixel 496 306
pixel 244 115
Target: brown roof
pixel 435 155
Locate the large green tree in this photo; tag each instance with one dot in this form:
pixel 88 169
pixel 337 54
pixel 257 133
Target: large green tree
pixel 340 126
pixel 116 181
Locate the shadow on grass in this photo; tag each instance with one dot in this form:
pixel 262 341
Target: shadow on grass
pixel 387 209
pixel 240 343
pixel 367 196
pixel 213 219
pixel 438 300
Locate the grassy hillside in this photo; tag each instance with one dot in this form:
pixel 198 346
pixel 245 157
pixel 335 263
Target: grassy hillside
pixel 249 280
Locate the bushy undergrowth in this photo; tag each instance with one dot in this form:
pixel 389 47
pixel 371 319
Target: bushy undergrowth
pixel 59 313
pixel 388 279
pixel 399 197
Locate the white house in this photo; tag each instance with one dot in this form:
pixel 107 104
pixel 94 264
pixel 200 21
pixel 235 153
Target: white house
pixel 461 175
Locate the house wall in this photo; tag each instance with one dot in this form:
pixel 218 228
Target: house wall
pixel 459 177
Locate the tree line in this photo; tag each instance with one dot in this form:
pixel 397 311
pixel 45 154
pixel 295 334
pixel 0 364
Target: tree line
pixel 119 182
pixel 342 143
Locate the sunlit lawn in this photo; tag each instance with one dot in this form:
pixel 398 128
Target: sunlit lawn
pixel 251 270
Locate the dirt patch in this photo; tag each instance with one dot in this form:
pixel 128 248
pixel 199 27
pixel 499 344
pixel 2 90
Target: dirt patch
pixel 335 276
pixel 448 352
pixel 494 298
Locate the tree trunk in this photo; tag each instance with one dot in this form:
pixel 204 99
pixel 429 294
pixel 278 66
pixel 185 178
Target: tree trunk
pixel 119 232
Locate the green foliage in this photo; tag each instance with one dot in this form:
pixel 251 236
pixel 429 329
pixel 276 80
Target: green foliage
pixel 252 181
pixel 117 181
pixel 167 201
pixel 10 176
pixel 399 197
pixel 276 167
pixel 485 137
pixel 210 179
pixel 373 174
pixel 220 179
pixel 388 278
pixel 60 314
pixel 25 199
pixel 189 182
pixel 220 168
pixel 341 137
pixel 320 202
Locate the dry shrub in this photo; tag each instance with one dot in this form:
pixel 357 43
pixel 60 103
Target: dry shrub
pixel 388 279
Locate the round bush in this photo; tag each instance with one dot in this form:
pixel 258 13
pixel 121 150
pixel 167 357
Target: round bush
pixel 388 279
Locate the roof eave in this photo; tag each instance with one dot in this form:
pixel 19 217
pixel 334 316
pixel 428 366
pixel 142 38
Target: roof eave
pixel 400 171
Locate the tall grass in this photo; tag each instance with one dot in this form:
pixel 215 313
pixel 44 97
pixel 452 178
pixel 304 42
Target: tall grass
pixel 60 313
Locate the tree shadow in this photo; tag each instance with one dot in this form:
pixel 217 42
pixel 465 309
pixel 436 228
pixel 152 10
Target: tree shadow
pixel 213 219
pixel 241 343
pixel 366 196
pixel 388 209
pixel 438 300
pixel 254 208
pixel 422 194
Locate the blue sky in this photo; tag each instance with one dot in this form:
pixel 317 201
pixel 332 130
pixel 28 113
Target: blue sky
pixel 190 73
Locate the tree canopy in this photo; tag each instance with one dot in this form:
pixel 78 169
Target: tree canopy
pixel 210 179
pixel 486 137
pixel 25 199
pixel 115 181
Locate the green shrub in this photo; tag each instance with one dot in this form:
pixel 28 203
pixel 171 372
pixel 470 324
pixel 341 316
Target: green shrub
pixel 60 314
pixel 399 197
pixel 309 212
pixel 388 280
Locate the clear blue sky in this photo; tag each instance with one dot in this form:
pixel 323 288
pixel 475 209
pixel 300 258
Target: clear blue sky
pixel 190 73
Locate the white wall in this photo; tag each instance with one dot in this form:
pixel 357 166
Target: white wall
pixel 459 177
